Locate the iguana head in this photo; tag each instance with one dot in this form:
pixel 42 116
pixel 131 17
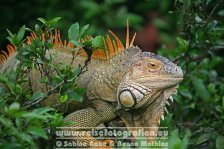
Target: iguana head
pixel 146 87
pixel 148 77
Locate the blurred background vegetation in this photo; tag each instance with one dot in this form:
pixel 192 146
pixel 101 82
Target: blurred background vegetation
pixel 147 17
pixel 191 32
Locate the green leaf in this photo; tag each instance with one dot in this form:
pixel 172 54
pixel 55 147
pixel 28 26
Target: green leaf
pixel 42 20
pixel 38 96
pixel 5 121
pixel 202 138
pixel 73 32
pixel 174 140
pixel 168 119
pixel 76 43
pixel 9 32
pixel 14 106
pixel 57 79
pixel 3 78
pixel 53 21
pixel 1 90
pixel 43 110
pixel 82 31
pixel 97 42
pixel 10 145
pixel 208 1
pixel 220 142
pixel 28 29
pixel 80 91
pixel 21 33
pixel 212 88
pixel 13 39
pixel 44 80
pixel 183 43
pixel 186 93
pixel 37 27
pixel 27 138
pixel 198 19
pixel 75 96
pixel 33 115
pixel 63 98
pixel 37 131
pixel 56 19
pixel 19 89
pixel 12 87
pixel 75 71
pixel 9 39
pixel 187 3
pixel 200 88
pixel 221 12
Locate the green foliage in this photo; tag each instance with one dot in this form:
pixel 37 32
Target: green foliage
pixel 20 128
pixel 49 23
pixel 219 142
pixel 199 105
pixel 73 32
pixel 109 14
pixel 16 39
pixel 175 142
pixel 23 119
pixel 77 38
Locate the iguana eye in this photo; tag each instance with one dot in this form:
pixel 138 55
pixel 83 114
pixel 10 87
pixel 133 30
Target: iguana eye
pixel 152 65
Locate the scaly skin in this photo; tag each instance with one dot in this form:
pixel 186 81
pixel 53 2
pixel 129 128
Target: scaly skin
pixel 130 82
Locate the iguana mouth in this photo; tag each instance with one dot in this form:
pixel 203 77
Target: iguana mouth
pixel 167 96
pixel 162 99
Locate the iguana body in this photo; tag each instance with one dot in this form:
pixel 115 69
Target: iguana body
pixel 130 84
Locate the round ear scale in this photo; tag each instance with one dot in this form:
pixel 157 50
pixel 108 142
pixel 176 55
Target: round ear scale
pixel 127 99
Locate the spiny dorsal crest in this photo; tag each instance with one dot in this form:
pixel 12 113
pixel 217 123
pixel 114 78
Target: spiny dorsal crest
pixel 4 54
pixel 113 45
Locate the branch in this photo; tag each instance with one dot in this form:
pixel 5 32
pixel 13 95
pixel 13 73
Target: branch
pixel 213 10
pixel 52 91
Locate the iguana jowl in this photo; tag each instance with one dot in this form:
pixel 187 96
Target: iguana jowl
pixel 130 84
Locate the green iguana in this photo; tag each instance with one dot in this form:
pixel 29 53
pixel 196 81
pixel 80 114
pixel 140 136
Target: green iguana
pixel 128 83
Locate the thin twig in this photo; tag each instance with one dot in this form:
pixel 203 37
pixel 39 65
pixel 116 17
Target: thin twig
pixel 52 91
pixel 213 10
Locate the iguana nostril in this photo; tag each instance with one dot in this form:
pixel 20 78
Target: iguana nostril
pixel 127 99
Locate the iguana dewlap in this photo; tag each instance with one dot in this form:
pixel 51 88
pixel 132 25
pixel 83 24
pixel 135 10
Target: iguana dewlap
pixel 128 83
